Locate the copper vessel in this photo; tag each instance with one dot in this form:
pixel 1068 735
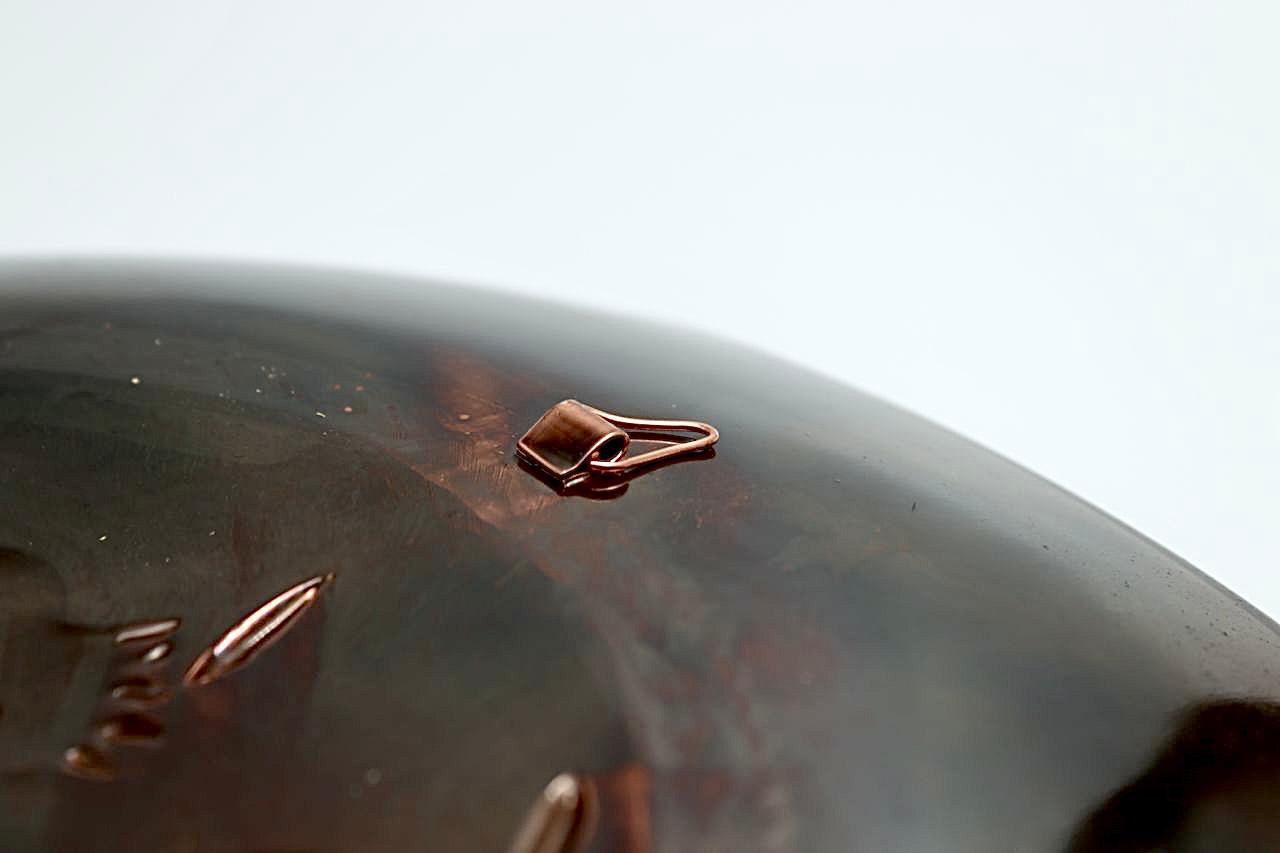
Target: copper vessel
pixel 274 578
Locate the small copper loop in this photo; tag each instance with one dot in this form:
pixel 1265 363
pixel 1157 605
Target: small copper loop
pixel 572 441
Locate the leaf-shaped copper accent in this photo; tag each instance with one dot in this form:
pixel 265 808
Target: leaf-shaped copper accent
pixel 156 629
pixel 141 691
pixel 86 762
pixel 256 632
pixel 158 652
pixel 561 820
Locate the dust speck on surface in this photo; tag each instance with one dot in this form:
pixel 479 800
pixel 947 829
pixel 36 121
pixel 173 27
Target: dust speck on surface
pixel 102 538
pixel 464 417
pixel 135 380
pixel 321 415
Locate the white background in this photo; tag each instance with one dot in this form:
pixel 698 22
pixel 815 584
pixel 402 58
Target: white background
pixel 1051 226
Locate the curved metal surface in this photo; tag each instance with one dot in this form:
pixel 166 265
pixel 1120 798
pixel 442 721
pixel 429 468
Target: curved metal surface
pixel 853 631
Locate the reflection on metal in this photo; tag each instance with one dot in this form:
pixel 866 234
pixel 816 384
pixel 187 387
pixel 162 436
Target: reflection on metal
pixel 158 629
pixel 256 632
pixel 158 652
pixel 141 691
pixel 561 820
pixel 572 441
pixel 86 762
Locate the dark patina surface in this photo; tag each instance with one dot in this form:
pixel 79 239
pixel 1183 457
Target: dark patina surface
pixel 847 629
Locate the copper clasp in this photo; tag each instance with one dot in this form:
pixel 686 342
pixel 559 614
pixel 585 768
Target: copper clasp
pixel 572 441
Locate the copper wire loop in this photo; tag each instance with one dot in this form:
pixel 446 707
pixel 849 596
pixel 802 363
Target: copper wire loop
pixel 573 440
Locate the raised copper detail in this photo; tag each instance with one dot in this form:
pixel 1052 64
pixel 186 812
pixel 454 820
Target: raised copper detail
pixel 561 820
pixel 256 632
pixel 156 629
pixel 573 441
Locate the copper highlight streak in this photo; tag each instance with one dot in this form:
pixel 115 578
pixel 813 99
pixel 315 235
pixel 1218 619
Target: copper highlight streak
pixel 158 629
pixel 141 691
pixel 476 466
pixel 158 652
pixel 256 632
pixel 86 762
pixel 561 820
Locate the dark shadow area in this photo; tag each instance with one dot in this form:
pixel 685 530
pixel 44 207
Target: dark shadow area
pixel 1214 786
pixel 604 488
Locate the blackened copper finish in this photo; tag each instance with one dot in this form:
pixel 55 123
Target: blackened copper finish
pixel 853 630
pixel 572 441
